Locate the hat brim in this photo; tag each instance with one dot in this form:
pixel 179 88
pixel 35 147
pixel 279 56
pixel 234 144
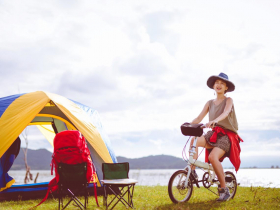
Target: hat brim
pixel 211 81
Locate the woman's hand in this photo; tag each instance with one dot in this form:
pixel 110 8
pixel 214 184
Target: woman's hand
pixel 211 124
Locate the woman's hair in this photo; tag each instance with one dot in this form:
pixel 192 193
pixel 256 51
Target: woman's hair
pixel 227 87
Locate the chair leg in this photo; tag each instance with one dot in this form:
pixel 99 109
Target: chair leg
pixel 86 198
pixel 130 196
pixel 59 198
pixel 75 199
pixel 105 197
pixel 129 191
pixel 120 198
pixel 59 203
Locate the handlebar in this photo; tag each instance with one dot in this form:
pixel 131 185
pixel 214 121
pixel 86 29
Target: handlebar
pixel 193 129
pixel 204 125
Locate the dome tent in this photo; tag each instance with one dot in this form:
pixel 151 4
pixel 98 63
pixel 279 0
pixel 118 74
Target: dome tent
pixel 51 113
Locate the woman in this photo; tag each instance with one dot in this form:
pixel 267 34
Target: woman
pixel 223 140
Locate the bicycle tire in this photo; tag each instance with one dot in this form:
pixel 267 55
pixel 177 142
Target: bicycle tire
pixel 176 189
pixel 231 183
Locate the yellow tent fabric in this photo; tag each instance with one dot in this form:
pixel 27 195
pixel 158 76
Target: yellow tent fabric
pixel 48 132
pixel 9 184
pixel 83 124
pixel 18 115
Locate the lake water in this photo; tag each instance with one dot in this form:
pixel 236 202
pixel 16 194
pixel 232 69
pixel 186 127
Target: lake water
pixel 246 177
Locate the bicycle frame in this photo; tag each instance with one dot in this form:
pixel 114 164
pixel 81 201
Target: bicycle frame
pixel 200 164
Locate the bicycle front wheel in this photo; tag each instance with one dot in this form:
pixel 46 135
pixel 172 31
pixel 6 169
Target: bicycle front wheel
pixel 177 189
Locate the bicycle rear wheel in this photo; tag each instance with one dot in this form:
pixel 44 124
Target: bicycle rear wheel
pixel 177 190
pixel 231 183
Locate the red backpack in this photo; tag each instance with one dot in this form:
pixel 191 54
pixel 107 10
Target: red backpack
pixel 70 147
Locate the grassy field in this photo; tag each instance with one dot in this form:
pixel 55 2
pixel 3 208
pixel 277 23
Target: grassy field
pixel 157 198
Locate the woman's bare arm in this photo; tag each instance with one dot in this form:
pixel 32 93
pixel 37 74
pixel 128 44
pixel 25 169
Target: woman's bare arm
pixel 202 114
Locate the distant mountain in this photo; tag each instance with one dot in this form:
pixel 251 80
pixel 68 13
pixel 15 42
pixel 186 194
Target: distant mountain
pixel 154 162
pixel 37 160
pixel 40 160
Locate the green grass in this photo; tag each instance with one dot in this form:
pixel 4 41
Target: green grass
pixel 157 198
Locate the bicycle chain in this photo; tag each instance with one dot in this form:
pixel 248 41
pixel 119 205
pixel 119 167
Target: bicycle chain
pixel 212 191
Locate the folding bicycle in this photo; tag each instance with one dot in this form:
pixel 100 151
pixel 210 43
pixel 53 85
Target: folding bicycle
pixel 180 186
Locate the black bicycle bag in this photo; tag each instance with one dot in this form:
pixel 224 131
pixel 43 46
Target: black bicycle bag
pixel 188 129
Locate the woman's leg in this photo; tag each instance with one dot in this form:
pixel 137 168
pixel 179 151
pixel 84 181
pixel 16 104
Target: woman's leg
pixel 214 159
pixel 201 142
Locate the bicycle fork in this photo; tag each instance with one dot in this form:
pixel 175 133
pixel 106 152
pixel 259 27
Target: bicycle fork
pixel 188 167
pixel 195 162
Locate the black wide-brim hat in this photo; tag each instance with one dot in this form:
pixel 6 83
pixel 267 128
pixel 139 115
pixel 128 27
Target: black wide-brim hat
pixel 211 81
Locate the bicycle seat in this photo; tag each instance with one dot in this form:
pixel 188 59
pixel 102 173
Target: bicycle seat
pixel 188 129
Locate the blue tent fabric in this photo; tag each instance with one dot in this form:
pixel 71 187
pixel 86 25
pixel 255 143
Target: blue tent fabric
pixel 6 162
pixel 27 187
pixel 34 191
pixel 24 192
pixel 93 114
pixel 6 101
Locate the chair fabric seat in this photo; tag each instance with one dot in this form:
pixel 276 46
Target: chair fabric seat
pixel 119 181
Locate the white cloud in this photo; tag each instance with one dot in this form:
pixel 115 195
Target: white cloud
pixel 144 65
pixel 158 143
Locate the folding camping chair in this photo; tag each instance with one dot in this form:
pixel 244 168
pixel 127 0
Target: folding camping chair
pixel 115 179
pixel 72 180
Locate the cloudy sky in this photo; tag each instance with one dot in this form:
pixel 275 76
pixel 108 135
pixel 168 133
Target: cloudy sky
pixel 144 65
